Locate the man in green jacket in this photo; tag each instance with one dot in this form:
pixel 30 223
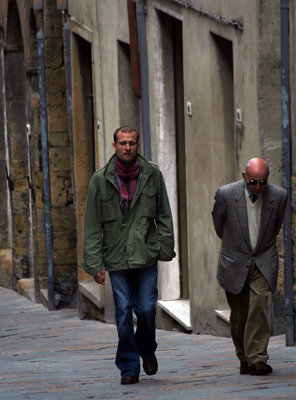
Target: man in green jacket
pixel 127 228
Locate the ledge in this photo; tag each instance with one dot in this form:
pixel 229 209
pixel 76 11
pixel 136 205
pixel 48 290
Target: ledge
pixel 44 297
pixel 224 315
pixel 91 290
pixel 25 287
pixel 179 310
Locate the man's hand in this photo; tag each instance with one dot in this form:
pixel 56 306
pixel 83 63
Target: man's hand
pixel 100 277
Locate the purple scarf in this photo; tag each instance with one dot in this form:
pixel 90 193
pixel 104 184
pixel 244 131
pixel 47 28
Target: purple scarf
pixel 126 173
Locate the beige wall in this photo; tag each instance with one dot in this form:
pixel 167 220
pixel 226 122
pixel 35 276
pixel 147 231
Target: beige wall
pixel 255 61
pixel 108 23
pixel 202 143
pixel 217 145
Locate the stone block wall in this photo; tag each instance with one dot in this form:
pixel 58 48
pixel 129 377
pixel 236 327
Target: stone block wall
pixel 62 209
pixel 22 208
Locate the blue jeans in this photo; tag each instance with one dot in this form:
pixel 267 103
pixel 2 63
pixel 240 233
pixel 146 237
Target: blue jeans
pixel 134 290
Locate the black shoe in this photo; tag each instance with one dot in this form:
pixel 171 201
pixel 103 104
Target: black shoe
pixel 150 366
pixel 129 379
pixel 244 368
pixel 260 368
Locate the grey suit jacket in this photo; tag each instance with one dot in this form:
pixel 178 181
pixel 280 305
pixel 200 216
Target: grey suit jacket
pixel 231 224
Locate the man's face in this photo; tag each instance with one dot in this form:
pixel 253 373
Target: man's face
pixel 126 147
pixel 256 179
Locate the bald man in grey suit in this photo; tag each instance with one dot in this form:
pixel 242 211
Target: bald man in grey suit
pixel 247 216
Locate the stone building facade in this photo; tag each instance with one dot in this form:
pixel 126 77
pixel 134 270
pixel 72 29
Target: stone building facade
pixel 200 79
pixel 23 263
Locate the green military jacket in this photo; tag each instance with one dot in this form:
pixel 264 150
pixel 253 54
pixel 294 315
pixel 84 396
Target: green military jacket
pixel 115 239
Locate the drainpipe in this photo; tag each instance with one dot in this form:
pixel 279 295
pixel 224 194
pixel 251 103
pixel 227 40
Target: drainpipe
pixel 70 104
pixel 286 159
pixel 70 114
pixel 141 11
pixel 28 260
pixel 10 185
pixel 134 46
pixel 45 168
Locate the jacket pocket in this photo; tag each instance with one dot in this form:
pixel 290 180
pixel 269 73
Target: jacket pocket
pixel 107 205
pixel 149 202
pixel 147 229
pixel 144 253
pixel 109 217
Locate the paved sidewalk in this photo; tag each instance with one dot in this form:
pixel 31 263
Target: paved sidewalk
pixel 56 356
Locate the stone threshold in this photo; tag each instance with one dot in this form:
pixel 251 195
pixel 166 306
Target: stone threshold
pixel 224 315
pixel 91 290
pixel 25 287
pixel 179 310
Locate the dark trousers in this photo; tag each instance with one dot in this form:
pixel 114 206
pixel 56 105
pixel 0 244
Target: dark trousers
pixel 134 291
pixel 249 318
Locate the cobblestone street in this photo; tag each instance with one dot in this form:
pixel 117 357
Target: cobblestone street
pixel 54 355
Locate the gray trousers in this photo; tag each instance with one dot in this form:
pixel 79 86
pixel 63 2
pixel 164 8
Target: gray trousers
pixel 249 318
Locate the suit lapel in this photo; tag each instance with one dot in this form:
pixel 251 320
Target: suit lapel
pixel 242 213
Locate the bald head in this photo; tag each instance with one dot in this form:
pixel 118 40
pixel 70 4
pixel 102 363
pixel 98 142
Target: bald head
pixel 257 165
pixel 256 175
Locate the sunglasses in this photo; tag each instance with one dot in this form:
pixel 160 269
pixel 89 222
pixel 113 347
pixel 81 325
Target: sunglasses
pixel 253 182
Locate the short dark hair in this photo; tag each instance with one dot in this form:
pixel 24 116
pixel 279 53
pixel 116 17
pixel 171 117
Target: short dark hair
pixel 125 129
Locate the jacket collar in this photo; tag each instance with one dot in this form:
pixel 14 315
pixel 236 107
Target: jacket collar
pixel 241 211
